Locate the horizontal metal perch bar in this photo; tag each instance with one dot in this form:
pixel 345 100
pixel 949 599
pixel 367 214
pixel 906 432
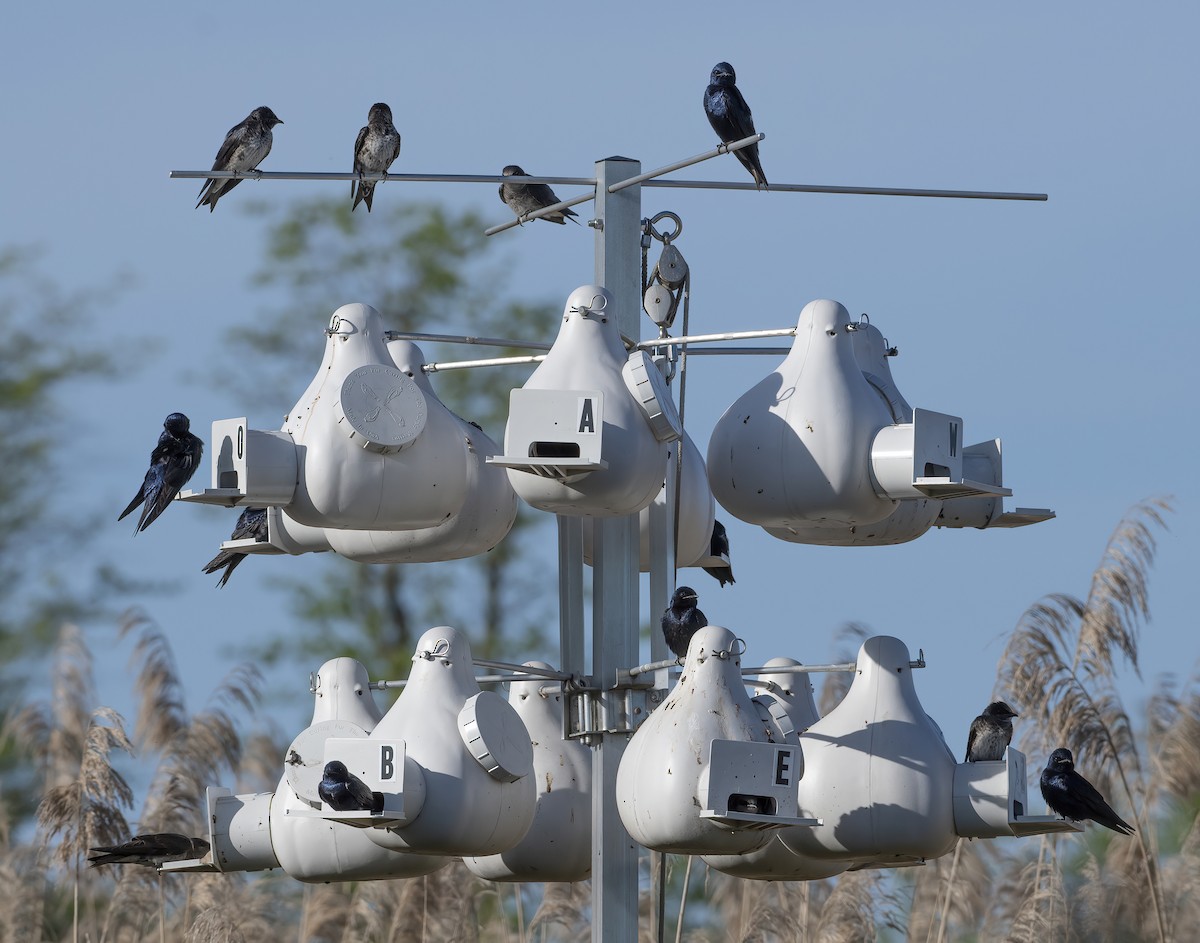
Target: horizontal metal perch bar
pixel 464 339
pixel 687 162
pixel 378 178
pixel 861 191
pixel 711 338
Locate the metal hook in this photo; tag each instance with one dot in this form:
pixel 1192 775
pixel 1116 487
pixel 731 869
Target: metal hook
pixel 591 307
pixel 441 648
pixel 663 237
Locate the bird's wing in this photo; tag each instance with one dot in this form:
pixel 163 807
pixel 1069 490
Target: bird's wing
pixel 137 498
pixel 971 736
pixel 229 146
pixel 358 166
pixel 740 119
pixel 1098 808
pixel 361 793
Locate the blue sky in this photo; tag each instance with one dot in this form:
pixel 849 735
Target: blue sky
pixel 1066 328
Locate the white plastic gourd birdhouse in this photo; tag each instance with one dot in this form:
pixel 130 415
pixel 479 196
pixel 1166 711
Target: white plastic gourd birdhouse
pixel 558 846
pixel 877 771
pixel 377 453
pixel 696 510
pixel 787 700
pixel 288 828
pixel 872 353
pixel 701 774
pixel 587 433
pixel 826 450
pixel 796 447
pixel 482 521
pixel 472 749
pixel 910 519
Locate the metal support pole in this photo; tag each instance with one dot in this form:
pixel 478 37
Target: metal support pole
pixel 570 594
pixel 614 582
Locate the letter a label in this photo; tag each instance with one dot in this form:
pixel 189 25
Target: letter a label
pixel 587 416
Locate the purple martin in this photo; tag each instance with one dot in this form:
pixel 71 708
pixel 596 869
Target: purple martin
pixel 730 117
pixel 375 150
pixel 718 546
pixel 342 791
pixel 172 464
pixel 681 620
pixel 1073 797
pixel 150 850
pixel 251 523
pixel 991 733
pixel 245 147
pixel 524 198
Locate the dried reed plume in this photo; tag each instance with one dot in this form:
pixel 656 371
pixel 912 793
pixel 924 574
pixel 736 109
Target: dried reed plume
pixel 1063 655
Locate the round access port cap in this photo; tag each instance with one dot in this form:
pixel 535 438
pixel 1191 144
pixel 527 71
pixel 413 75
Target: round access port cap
pixel 496 737
pixel 384 406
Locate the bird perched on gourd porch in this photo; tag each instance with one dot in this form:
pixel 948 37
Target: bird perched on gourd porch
pixel 150 850
pixel 1073 797
pixel 172 463
pixel 991 733
pixel 251 523
pixel 342 791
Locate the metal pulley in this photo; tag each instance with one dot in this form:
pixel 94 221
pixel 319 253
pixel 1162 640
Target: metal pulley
pixel 666 282
pixel 671 270
pixel 659 304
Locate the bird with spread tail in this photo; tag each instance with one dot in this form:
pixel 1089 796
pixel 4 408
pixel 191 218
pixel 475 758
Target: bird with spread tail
pixel 991 733
pixel 375 150
pixel 681 620
pixel 730 117
pixel 172 463
pixel 150 850
pixel 1070 795
pixel 246 145
pixel 524 198
pixel 252 523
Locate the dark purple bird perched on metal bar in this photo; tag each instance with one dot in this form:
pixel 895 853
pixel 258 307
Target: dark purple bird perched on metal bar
pixel 718 546
pixel 245 147
pixel 681 620
pixel 991 733
pixel 524 198
pixel 150 850
pixel 730 117
pixel 252 523
pixel 375 150
pixel 1073 797
pixel 342 791
pixel 172 464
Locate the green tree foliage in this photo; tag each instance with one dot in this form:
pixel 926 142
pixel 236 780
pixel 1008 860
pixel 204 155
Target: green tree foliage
pixel 430 270
pixel 44 351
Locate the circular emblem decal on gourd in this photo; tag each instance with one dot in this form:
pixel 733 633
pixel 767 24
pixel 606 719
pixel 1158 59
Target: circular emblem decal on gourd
pixel 383 407
pixel 304 762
